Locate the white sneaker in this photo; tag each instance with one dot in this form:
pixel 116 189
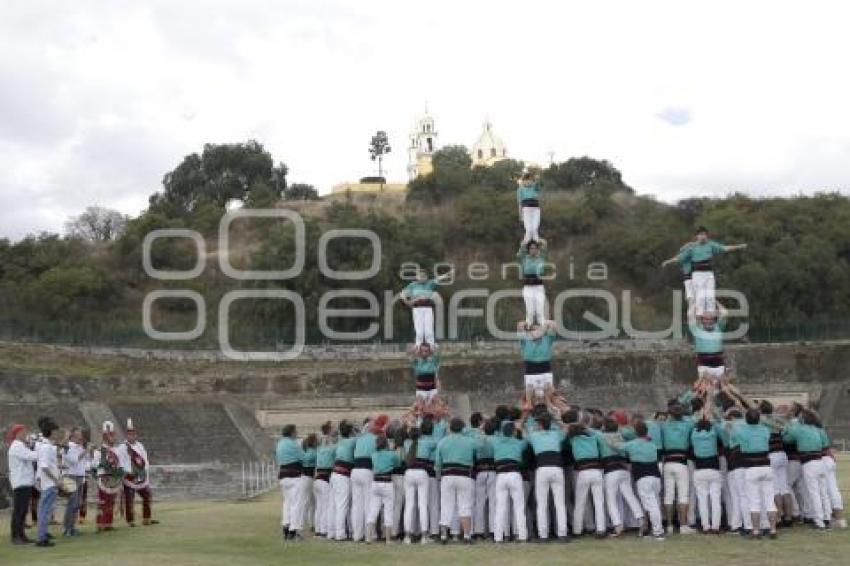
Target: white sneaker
pixel 686 530
pixel 406 540
pixel 658 538
pixel 426 540
pixel 841 523
pixel 671 529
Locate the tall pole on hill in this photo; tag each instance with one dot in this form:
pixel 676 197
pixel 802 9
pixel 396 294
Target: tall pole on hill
pixel 379 147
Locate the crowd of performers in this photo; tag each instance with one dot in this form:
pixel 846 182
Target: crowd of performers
pixel 54 465
pixel 713 461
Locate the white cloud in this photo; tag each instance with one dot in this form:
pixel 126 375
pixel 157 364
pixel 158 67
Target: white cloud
pixel 99 99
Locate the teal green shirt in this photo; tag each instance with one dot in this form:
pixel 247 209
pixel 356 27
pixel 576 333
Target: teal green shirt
pixel 345 449
pixel 676 434
pixel 708 341
pixel 586 446
pixel 628 433
pixel 288 451
pixel 365 445
pixel 385 461
pixel 700 252
pixel 654 430
pixel 425 447
pixel 606 450
pixel 825 442
pixel 484 447
pixel 508 448
pixel 640 451
pixel 309 459
pixel 420 289
pixel 531 265
pixel 539 350
pixel 752 439
pixel 530 192
pixel 325 456
pixel 546 440
pixel 807 437
pixel 441 428
pixel 455 449
pixel 704 443
pixel 425 366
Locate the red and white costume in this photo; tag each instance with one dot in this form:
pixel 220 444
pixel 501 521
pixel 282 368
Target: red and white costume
pixel 136 466
pixel 108 478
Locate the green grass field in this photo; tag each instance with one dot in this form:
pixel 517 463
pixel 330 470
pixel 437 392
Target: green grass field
pixel 206 532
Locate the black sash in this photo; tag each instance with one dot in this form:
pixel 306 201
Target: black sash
pixel 462 470
pixel 423 464
pixel 423 303
pixel 714 360
pixel 704 265
pixel 614 463
pixel 531 279
pixel 309 472
pixel 530 203
pixel 323 474
pixel 776 442
pixel 676 456
pixel 425 381
pixel 806 457
pixel 383 478
pixel 587 464
pixel 485 465
pixel 342 468
pixel 292 470
pixel 363 463
pixel 550 458
pixel 506 466
pixel 709 463
pixel 536 368
pixel 754 459
pixel 645 469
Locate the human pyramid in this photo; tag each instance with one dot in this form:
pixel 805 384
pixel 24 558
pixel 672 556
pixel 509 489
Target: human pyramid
pixel 713 460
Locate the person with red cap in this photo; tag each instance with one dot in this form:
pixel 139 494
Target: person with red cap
pixel 361 474
pixel 21 458
pixel 135 463
pixel 109 479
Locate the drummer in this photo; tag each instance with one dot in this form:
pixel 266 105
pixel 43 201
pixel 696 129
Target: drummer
pixel 75 461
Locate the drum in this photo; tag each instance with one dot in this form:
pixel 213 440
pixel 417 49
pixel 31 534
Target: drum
pixel 67 486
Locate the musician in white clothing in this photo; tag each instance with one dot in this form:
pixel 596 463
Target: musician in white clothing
pixel 134 462
pixel 21 458
pixel 76 462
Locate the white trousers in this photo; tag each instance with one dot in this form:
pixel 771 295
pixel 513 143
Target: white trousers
pixel 398 501
pixel 708 484
pixel 689 290
pixel 546 479
pixel 325 507
pixel 292 511
pixel 649 492
pixel 797 487
pixel 531 223
pixel 485 500
pixel 381 497
pixel 779 466
pixel 814 476
pixel 703 283
pixel 456 494
pixel 434 496
pixel 361 485
pixel 423 325
pixel 535 303
pixel 308 506
pixel 676 483
pixel 740 516
pixel 589 482
pixel 416 487
pixel 831 471
pixel 509 490
pixel 619 482
pixel 760 489
pixel 341 488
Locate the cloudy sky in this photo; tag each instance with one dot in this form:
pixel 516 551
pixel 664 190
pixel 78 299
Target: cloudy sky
pixel 99 99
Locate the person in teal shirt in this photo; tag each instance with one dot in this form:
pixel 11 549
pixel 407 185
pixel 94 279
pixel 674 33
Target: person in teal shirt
pixel 700 254
pixel 708 483
pixel 425 361
pixel 419 296
pixel 290 457
pixel 546 441
pixel 586 444
pixel 532 260
pixel 676 440
pixel 536 344
pixel 308 471
pixel 642 453
pixel 708 331
pixel 508 455
pixel 753 439
pixel 454 462
pixel 325 506
pixel 528 201
pixel 381 496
